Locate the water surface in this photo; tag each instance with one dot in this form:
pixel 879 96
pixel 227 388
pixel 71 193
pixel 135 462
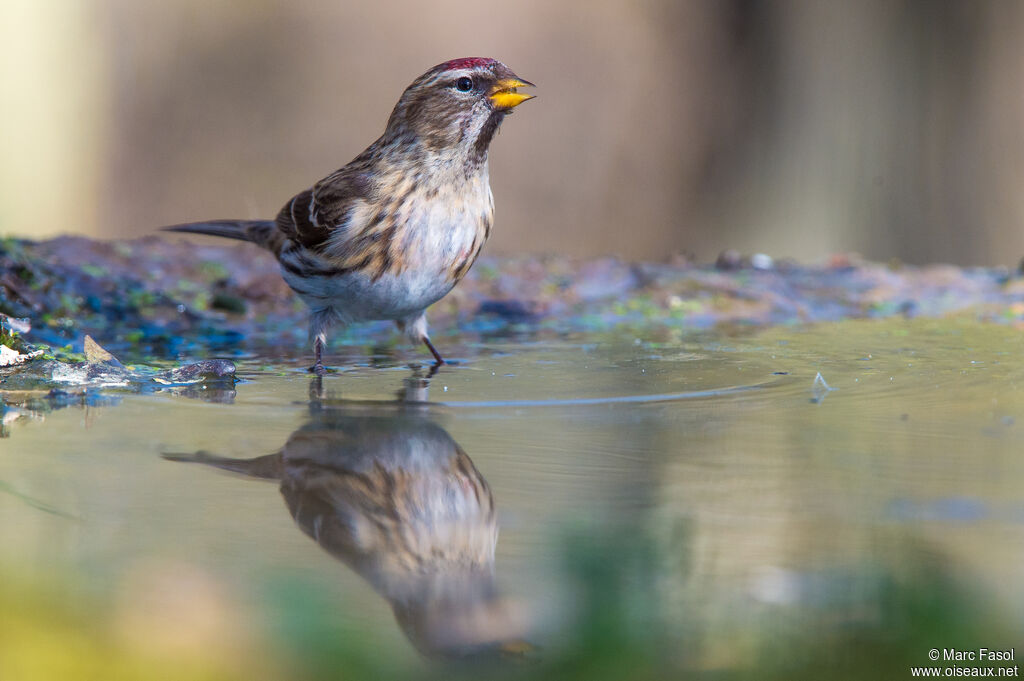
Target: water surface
pixel 688 500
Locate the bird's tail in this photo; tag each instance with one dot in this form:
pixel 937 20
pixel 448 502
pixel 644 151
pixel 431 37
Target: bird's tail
pixel 260 232
pixel 269 466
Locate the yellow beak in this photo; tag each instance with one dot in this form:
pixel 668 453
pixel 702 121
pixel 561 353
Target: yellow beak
pixel 504 94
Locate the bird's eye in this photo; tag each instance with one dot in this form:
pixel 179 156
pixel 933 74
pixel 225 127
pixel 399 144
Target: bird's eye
pixel 464 84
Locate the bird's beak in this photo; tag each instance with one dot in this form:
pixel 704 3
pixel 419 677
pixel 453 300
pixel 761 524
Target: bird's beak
pixel 504 94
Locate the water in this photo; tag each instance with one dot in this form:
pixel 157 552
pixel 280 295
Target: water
pixel 672 504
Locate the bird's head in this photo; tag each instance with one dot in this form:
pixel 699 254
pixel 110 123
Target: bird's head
pixel 456 107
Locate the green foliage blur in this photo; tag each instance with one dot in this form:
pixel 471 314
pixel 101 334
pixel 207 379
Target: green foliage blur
pixel 875 622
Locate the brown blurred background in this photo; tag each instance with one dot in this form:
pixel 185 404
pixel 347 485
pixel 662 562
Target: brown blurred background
pixel 797 128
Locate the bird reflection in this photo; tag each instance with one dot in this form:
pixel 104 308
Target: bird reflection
pixel 387 491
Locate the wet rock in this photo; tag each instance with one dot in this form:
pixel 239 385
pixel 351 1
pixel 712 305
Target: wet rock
pixel 14 350
pixel 228 303
pixel 728 260
pixel 207 370
pixel 164 297
pixel 13 324
pixel 94 354
pixel 512 310
pixel 102 370
pixel 207 393
pixel 604 279
pixel 12 357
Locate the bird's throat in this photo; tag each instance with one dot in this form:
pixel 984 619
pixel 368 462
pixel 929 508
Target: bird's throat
pixel 478 154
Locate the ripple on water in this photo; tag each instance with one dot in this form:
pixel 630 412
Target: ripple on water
pixel 750 485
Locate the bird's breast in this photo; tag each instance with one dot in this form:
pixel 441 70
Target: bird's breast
pixel 447 227
pixel 427 242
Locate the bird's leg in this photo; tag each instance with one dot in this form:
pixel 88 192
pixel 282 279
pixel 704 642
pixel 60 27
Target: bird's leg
pixel 318 354
pixel 417 387
pixel 439 360
pixel 320 322
pixel 416 330
pixel 316 389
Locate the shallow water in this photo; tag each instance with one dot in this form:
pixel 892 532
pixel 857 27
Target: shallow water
pixel 696 496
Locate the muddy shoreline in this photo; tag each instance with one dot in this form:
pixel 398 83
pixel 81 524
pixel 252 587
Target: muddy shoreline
pixel 168 297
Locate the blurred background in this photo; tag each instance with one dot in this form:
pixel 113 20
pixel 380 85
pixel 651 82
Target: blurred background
pixel 892 128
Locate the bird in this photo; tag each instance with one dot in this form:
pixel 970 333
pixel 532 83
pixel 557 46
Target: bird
pixel 392 232
pixel 385 490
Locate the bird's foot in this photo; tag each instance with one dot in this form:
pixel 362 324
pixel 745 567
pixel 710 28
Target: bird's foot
pixel 318 357
pixel 438 359
pixel 316 389
pixel 424 372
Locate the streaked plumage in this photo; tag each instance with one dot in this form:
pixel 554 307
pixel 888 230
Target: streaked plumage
pixel 393 231
pixel 393 496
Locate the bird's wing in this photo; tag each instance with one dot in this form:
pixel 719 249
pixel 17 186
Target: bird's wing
pixel 321 217
pixel 297 222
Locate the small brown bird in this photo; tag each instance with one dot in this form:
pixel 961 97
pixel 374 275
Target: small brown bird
pixel 393 231
pixel 389 493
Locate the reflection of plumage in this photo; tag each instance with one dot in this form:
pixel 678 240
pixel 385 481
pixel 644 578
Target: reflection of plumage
pixel 395 498
pixel 404 503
